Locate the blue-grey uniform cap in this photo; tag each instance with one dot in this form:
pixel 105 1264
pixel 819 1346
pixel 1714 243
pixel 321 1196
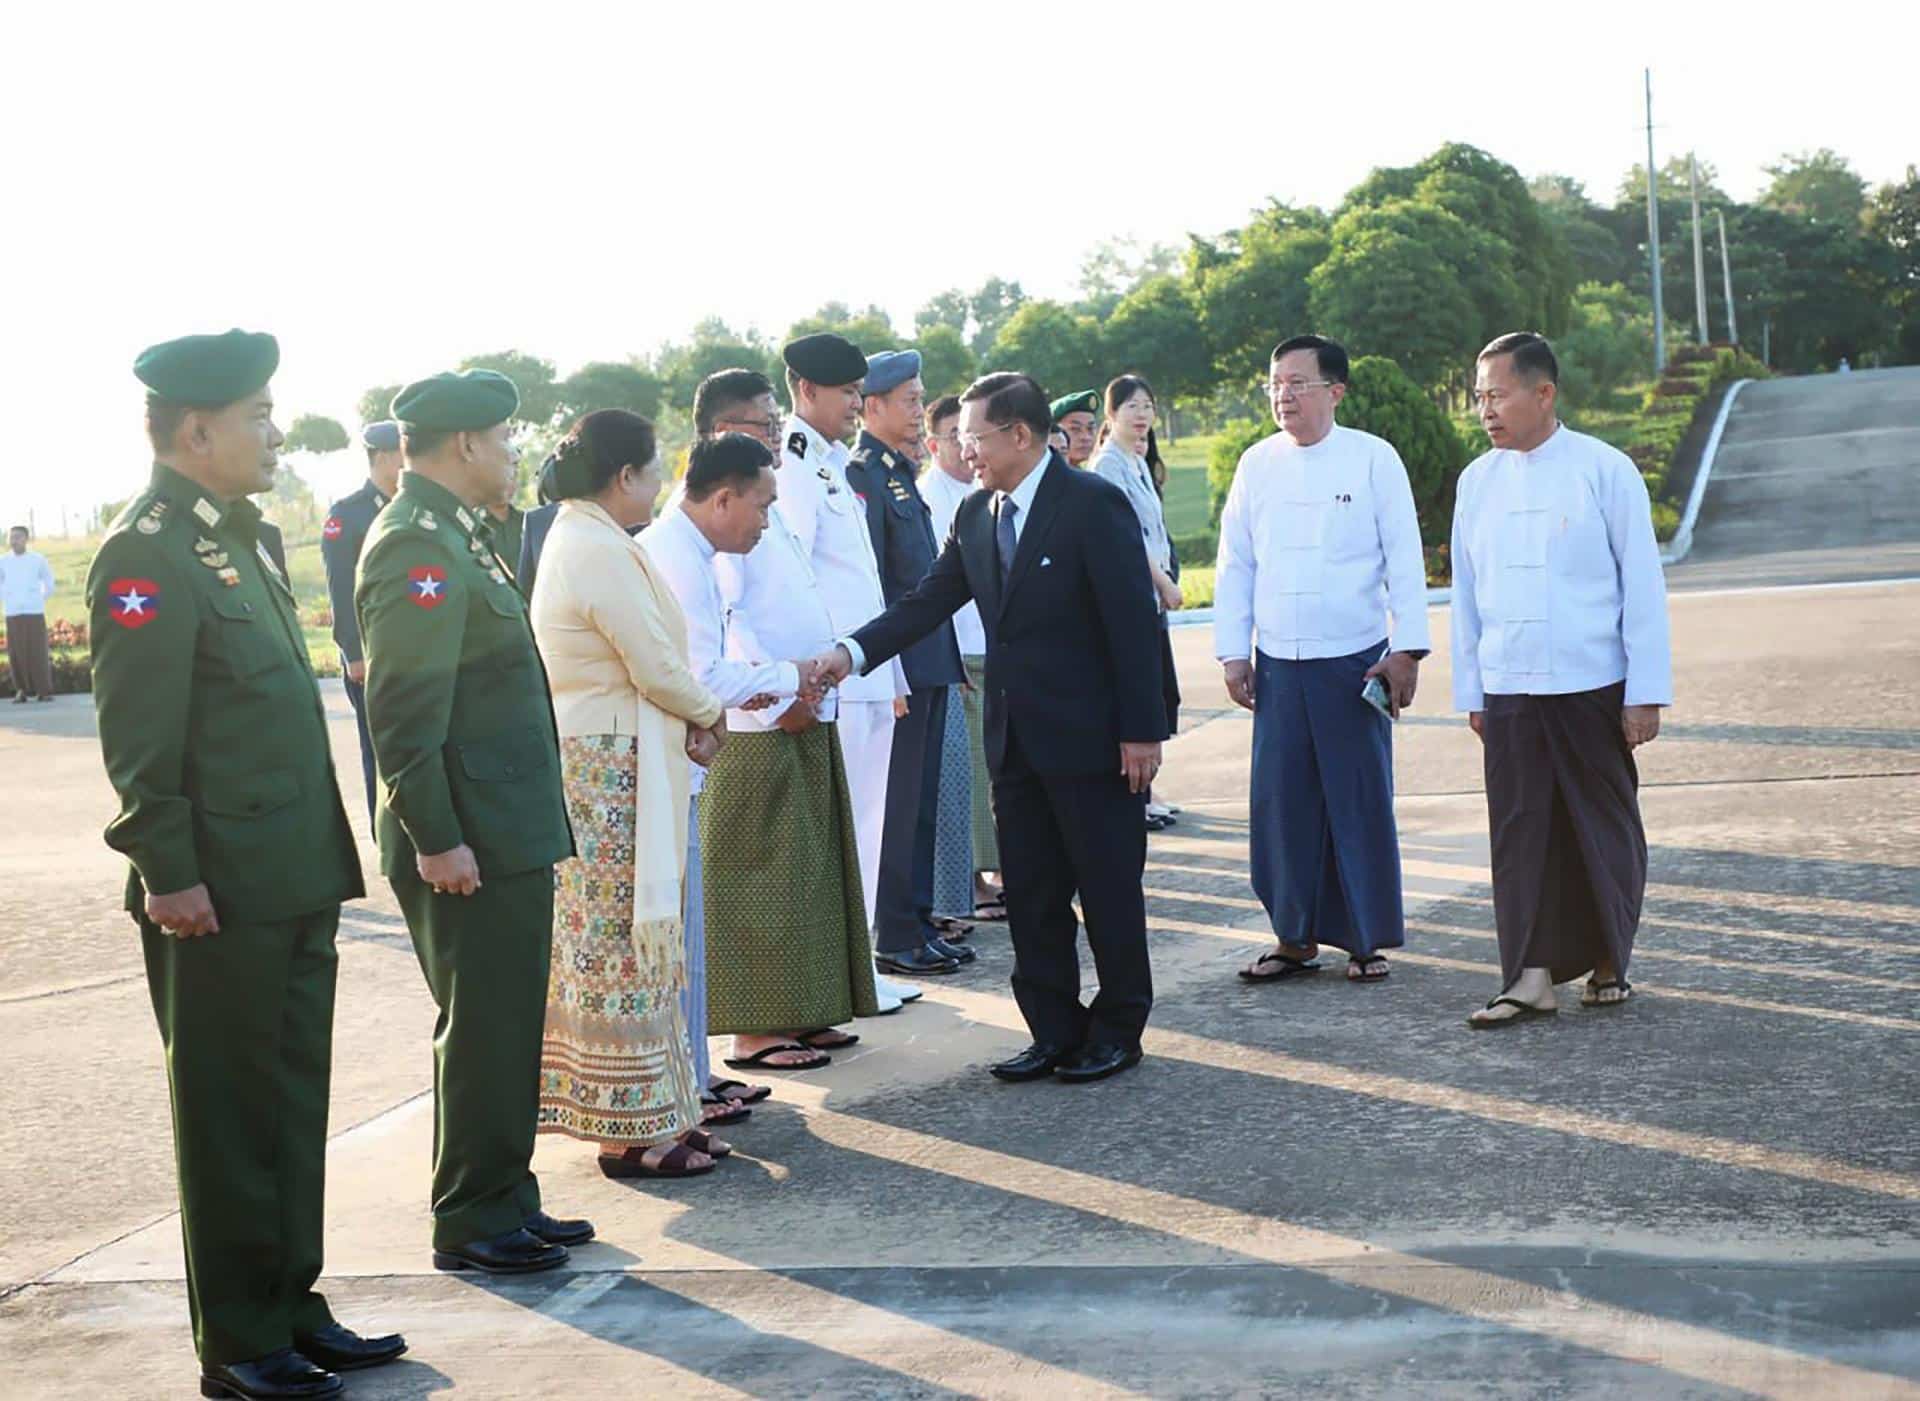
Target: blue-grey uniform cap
pixel 383 436
pixel 889 369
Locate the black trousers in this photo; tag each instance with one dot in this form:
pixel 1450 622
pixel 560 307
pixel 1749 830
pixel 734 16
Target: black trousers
pixel 903 905
pixel 1081 834
pixel 357 698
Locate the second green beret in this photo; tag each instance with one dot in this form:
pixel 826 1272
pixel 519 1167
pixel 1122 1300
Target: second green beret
pixel 463 402
pixel 1086 401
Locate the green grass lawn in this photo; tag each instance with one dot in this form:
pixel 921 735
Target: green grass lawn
pixel 1186 498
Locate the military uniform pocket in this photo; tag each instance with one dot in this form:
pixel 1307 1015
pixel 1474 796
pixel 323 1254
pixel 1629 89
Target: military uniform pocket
pixel 236 642
pixel 503 758
pixel 253 795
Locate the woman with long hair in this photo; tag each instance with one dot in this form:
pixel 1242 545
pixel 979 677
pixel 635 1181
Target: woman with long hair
pixel 616 1065
pixel 1122 458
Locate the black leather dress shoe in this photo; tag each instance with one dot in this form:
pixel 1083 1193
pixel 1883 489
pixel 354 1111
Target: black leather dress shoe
pixel 340 1349
pixel 515 1253
pixel 959 953
pixel 1035 1063
pixel 1097 1060
pixel 276 1376
pixel 923 962
pixel 556 1231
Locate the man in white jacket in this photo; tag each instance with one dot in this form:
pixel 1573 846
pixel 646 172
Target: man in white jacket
pixel 1562 661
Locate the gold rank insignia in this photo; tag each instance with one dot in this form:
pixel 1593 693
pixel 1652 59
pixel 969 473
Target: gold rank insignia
pixel 228 576
pixel 155 517
pixel 204 546
pixel 207 512
pixel 216 560
pixel 460 514
pixel 426 520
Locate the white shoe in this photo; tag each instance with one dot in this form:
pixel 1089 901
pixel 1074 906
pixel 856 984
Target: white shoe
pixel 893 989
pixel 1160 810
pixel 884 1003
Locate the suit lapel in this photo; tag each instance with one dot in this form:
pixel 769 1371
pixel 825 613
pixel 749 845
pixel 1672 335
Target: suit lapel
pixel 1033 534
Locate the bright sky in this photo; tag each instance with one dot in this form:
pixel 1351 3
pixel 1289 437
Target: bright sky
pixel 390 187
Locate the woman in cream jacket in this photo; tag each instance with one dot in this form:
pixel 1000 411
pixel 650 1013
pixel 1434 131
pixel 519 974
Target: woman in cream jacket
pixel 616 1066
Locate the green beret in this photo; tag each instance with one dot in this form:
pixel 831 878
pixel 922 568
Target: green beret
pixel 1086 401
pixel 209 369
pixel 457 403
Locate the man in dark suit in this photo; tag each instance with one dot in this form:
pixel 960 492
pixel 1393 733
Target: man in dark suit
pixel 1074 718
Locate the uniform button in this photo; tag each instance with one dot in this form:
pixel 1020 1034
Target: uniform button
pixel 510 770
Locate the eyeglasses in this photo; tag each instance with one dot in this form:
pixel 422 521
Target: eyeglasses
pixel 950 437
pixel 765 427
pixel 973 440
pixel 1294 388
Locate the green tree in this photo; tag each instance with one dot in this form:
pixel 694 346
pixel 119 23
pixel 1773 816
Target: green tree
pixel 946 362
pixel 1404 276
pixel 1827 290
pixel 1383 401
pixel 1608 343
pixel 1155 331
pixel 948 308
pixel 532 376
pixel 1223 459
pixel 990 308
pixel 713 346
pixel 1893 220
pixel 1115 266
pixel 871 329
pixel 376 404
pixel 1598 244
pixel 1674 185
pixel 1250 288
pixel 315 433
pixel 1489 196
pixel 1057 346
pixel 608 384
pixel 1820 186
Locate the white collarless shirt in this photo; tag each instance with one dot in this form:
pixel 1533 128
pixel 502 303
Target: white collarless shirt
pixel 1557 583
pixel 26 582
pixel 774 612
pixel 1318 545
pixel 943 496
pixel 685 559
pixel 830 524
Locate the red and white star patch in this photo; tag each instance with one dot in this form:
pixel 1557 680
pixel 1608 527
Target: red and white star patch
pixel 133 603
pixel 331 530
pixel 427 585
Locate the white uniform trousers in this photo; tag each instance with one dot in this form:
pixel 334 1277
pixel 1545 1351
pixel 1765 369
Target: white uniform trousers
pixel 866 743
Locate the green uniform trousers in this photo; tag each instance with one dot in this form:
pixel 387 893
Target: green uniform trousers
pixel 485 957
pixel 246 1016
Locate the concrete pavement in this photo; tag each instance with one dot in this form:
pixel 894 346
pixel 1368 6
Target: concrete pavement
pixel 1314 1189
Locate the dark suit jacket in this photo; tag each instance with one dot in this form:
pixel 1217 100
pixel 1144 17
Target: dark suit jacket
pixel 345 531
pixel 533 539
pixel 1073 645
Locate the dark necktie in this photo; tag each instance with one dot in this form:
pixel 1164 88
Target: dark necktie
pixel 1003 536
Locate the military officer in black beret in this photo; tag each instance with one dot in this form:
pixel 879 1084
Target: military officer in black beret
pixel 472 816
pixel 341 537
pixel 216 741
pixel 883 478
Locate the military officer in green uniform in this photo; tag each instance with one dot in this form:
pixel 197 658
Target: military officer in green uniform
pixel 472 814
pixel 214 737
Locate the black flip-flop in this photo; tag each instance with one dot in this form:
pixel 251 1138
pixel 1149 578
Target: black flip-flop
pixel 992 911
pixel 1289 968
pixel 758 1060
pixel 737 1114
pixel 810 1039
pixel 1363 976
pixel 951 929
pixel 740 1090
pixel 1626 994
pixel 1526 1013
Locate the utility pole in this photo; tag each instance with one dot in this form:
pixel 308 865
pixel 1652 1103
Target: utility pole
pixel 1699 255
pixel 1726 279
pixel 1653 243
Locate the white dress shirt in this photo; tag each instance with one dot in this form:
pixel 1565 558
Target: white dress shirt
pixel 1318 545
pixel 774 613
pixel 684 559
pixel 831 526
pixel 1557 585
pixel 943 497
pixel 26 582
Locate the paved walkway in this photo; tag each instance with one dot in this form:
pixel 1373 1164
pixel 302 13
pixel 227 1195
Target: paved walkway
pixel 1313 1189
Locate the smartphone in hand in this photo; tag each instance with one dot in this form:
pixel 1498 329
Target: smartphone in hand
pixel 1374 693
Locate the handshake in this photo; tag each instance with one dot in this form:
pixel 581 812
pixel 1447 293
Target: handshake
pixel 818 675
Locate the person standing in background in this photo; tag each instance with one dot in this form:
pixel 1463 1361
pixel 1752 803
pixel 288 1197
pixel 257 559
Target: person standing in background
pixel 26 583
pixel 341 537
pixel 1077 415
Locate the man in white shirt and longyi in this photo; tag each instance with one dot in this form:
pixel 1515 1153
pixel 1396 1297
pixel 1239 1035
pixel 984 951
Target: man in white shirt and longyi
pixel 26 580
pixel 1319 543
pixel 1562 660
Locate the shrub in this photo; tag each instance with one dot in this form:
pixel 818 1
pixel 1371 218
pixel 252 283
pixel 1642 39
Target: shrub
pixel 72 673
pixel 1383 401
pixel 1236 436
pixel 1666 520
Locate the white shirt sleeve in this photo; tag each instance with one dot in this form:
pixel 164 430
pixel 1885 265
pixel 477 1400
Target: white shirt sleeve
pixel 1398 522
pixel 46 579
pixel 1468 692
pixel 1235 572
pixel 1643 588
pixel 799 502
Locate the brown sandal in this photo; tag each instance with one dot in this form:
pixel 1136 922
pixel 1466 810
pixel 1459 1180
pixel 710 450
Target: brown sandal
pixel 700 1141
pixel 677 1161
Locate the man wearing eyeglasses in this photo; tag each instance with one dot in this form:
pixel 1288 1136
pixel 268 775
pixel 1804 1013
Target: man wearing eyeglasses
pixel 1075 718
pixel 1319 544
